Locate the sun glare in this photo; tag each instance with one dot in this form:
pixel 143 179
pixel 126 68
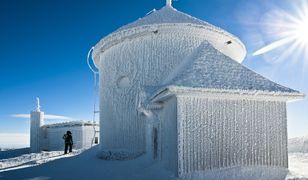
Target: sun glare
pixel 301 32
pixel 292 34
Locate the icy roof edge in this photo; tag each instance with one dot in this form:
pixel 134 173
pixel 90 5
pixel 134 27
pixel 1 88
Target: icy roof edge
pixel 165 92
pixel 174 16
pixel 69 123
pixel 118 37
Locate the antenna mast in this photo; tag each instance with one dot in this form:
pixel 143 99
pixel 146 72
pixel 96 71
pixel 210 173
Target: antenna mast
pixel 38 107
pixel 169 3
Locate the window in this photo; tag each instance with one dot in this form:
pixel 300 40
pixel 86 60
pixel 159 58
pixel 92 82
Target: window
pixel 123 82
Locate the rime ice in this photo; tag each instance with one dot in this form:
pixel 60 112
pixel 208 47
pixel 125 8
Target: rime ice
pixel 172 87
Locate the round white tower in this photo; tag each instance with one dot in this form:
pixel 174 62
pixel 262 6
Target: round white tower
pixel 140 55
pixel 37 120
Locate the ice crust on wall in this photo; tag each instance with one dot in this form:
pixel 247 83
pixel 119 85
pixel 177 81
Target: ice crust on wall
pixel 218 133
pixel 145 61
pixel 52 135
pixel 167 14
pixel 208 68
pixel 239 173
pixel 169 17
pixel 37 118
pixel 168 119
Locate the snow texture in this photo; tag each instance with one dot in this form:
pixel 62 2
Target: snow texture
pixel 170 18
pixel 83 135
pixel 37 120
pixel 165 15
pixel 240 173
pixel 169 135
pixel 32 159
pixel 239 133
pixel 145 61
pixel 188 53
pixel 298 145
pixel 50 136
pixel 298 166
pixel 202 133
pixel 52 166
pixel 87 166
pixel 208 68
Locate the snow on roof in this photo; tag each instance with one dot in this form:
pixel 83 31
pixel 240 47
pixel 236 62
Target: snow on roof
pixel 170 17
pixel 208 68
pixel 167 14
pixel 69 124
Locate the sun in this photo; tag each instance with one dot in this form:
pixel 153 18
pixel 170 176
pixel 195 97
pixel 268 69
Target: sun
pixel 293 33
pixel 301 32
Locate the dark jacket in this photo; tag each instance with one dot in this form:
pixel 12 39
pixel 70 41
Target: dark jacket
pixel 68 138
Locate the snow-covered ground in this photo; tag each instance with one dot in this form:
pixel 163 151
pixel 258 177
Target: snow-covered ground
pixel 87 166
pixel 298 158
pixel 83 164
pixel 298 166
pixel 21 158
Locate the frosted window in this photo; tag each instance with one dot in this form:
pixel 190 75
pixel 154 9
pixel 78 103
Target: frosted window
pixel 123 82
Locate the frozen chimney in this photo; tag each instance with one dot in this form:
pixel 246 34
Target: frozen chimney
pixel 37 120
pixel 168 2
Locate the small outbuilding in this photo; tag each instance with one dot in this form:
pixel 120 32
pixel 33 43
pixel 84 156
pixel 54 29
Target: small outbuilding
pixel 49 137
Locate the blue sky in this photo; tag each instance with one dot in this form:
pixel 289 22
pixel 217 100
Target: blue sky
pixel 43 48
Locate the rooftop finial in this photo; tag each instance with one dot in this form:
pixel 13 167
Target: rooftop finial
pixel 38 107
pixel 168 2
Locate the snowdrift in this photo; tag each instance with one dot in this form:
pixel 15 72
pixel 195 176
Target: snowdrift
pixel 85 165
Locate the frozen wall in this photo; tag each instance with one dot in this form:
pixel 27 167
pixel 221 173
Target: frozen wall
pixel 168 120
pixel 83 136
pixel 55 137
pixel 218 133
pixel 36 118
pixel 89 135
pixel 125 70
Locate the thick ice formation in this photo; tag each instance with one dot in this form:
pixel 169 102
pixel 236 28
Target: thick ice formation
pixel 169 18
pixel 165 15
pixel 208 68
pixel 208 105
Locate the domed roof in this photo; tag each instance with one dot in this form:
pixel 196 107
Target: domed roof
pixel 165 15
pixel 168 16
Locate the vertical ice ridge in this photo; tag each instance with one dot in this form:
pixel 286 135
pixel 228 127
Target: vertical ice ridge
pixel 237 130
pixel 145 61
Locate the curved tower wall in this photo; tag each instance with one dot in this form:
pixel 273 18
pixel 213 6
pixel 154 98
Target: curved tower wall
pixel 126 69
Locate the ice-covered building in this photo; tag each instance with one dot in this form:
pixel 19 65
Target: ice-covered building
pixel 48 137
pixel 173 86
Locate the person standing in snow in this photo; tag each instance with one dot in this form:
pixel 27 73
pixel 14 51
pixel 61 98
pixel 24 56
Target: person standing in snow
pixel 68 140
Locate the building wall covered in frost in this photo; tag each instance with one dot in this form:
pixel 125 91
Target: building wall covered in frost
pixel 144 64
pixel 218 133
pixel 36 122
pixel 52 136
pixel 169 134
pixel 125 70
